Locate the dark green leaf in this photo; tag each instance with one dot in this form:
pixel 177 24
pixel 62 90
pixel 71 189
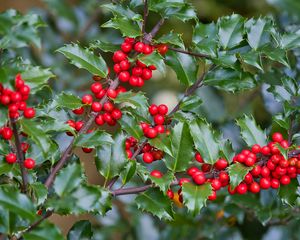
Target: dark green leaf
pixel 290 40
pixel 195 197
pixel 164 182
pixel 40 192
pixel 251 133
pixel 122 11
pixel 93 139
pixel 84 58
pixel 237 173
pixel 191 104
pixel 289 193
pixel 155 202
pixel 105 46
pixel 172 38
pixel 153 59
pixel 227 150
pixel 130 124
pixel 68 100
pixel 81 230
pixel 205 141
pixel 128 171
pixel 45 231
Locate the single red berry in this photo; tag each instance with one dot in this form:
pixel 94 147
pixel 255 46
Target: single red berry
pixel 147 49
pixel 119 56
pixel 163 109
pixel 108 106
pixel 140 82
pixel 7 133
pixel 242 188
pixel 159 119
pixel 19 82
pixel 241 158
pixel 11 158
pixel 139 47
pixel 147 157
pixel 87 99
pixel 284 144
pixel 14 107
pixel 147 74
pixel 277 137
pixel 96 87
pixel 96 107
pixel 199 178
pixel 265 150
pixel 116 114
pixel 160 128
pixel 129 153
pixel 216 184
pixel 126 47
pixel 124 65
pixel 5 99
pixel 111 93
pixel 275 183
pixel 224 177
pixel 285 180
pixel 249 161
pixel 256 148
pixel 284 163
pixel 170 194
pixel 265 172
pixel 198 157
pixel 87 150
pixel 151 133
pixel 153 109
pixel 140 64
pixel 137 71
pixel 156 174
pixel 254 187
pixel 29 113
pixel 213 196
pixel 129 40
pixel 29 163
pixel 79 125
pixel 78 111
pixel 206 167
pixel 183 180
pixel 107 118
pixel 271 165
pixel 221 164
pixel 101 94
pixel 134 81
pixel 248 178
pixel 117 68
pixel 265 183
pixel 24 90
pixel 162 49
pixel 147 148
pixel 192 170
pixel 124 76
pixel 16 97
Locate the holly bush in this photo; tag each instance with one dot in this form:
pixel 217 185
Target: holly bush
pixel 181 165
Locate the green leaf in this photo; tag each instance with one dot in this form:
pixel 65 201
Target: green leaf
pixel 4 147
pixel 290 40
pixel 231 29
pixel 286 91
pixel 164 182
pixel 153 59
pixel 237 173
pixel 258 32
pixel 130 124
pixel 205 141
pixel 104 46
pixel 230 80
pixel 45 231
pixel 84 58
pixel 127 27
pixel 172 38
pixel 227 150
pixel 81 230
pixel 191 104
pixel 195 197
pixel 16 202
pixel 182 148
pixel 68 179
pixel 33 130
pixel 122 11
pixel 276 54
pixel 185 67
pixel 111 158
pixel 40 192
pixel 93 139
pixel 251 133
pixel 128 171
pixel 289 193
pixel 68 100
pixel 155 202
pixel 253 59
pixel 36 77
pixel 137 101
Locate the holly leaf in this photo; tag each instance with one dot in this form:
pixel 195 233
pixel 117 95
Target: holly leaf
pixel 227 150
pixel 181 148
pixel 67 100
pixel 231 30
pixel 137 101
pixel 130 124
pixel 155 202
pixel 171 38
pixel 40 192
pixel 289 193
pixel 120 10
pixel 128 171
pixel 185 66
pixel 84 58
pixel 16 202
pixel 127 27
pixel 205 140
pixel 290 40
pixel 251 133
pixel 111 157
pixel 237 173
pixel 68 179
pixel 191 104
pixel 195 197
pixel 164 182
pixel 81 230
pixel 104 46
pixel 93 139
pixel 153 59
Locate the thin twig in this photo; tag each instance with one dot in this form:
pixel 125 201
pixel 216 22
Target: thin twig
pixel 201 55
pixel 148 37
pixel 38 222
pixel 49 181
pixel 146 12
pixel 20 155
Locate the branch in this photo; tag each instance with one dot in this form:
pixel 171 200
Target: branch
pixel 20 155
pixel 201 55
pixel 38 222
pixel 148 37
pixel 146 12
pixel 49 181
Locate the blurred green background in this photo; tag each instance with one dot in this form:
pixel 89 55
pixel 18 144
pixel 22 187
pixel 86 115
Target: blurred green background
pixel 79 21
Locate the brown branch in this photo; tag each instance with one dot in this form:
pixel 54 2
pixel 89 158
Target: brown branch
pixel 20 155
pixel 146 12
pixel 201 55
pixel 38 222
pixel 49 181
pixel 148 37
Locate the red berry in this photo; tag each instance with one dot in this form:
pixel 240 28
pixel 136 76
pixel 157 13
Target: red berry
pixel 139 47
pixel 124 76
pixel 221 164
pixel 78 111
pixel 18 81
pixel 271 165
pixel 79 125
pixel 124 65
pixel 198 157
pixel 246 152
pixel 96 87
pixel 15 97
pixel 119 56
pixel 284 163
pixel 87 99
pixel 265 172
pixel 147 74
pixel 134 81
pixel 265 183
pixel 170 194
pixel 183 180
pixel 7 133
pixel 160 128
pixel 116 114
pixel 140 64
pixel 29 163
pixel 140 82
pixel 216 184
pixel 117 68
pixel 159 119
pixel 248 178
pixel 284 144
pixel 162 49
pixel 265 150
pixel 87 150
pixel 11 158
pixel 277 137
pixel 111 93
pixel 137 71
pixel 151 133
pixel 24 90
pixel 199 178
pixel 192 170
pixel 249 161
pixel 29 113
pixel 153 109
pixel 206 167
pixel 213 196
pixel 107 117
pixel 275 183
pixel 163 109
pixel 285 180
pixel 126 47
pixel 99 120
pixel 5 99
pixel 96 107
pixel 224 177
pixel 147 157
pixel 101 94
pixel 241 188
pixel 108 106
pixel 156 174
pixel 147 49
pixel 254 187
pixel 256 148
pixel 129 40
pixel 129 153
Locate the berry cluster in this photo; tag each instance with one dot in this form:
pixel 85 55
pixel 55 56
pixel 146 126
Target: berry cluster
pixel 15 101
pixel 134 73
pixel 159 114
